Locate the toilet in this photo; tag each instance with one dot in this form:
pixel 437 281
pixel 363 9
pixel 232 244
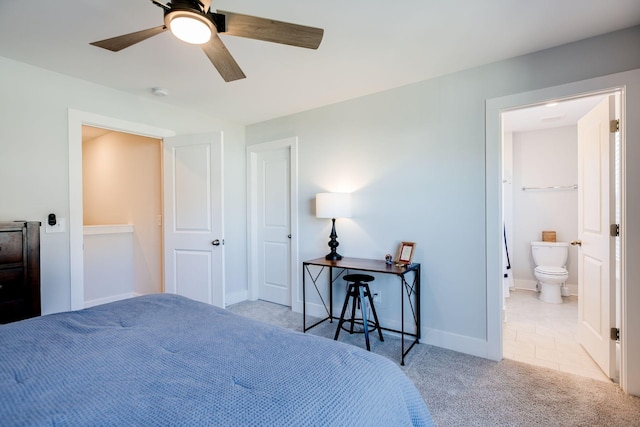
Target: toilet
pixel 550 259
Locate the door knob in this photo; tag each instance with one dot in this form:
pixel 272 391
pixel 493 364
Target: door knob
pixel 576 242
pixel 216 242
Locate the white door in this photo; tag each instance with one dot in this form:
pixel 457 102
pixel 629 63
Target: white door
pixel 596 211
pixel 274 226
pixel 193 225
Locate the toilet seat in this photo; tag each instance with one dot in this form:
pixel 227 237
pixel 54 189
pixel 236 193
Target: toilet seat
pixel 551 271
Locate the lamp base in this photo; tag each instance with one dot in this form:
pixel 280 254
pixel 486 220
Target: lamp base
pixel 333 256
pixel 333 243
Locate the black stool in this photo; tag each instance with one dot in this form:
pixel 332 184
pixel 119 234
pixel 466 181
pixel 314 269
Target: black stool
pixel 358 290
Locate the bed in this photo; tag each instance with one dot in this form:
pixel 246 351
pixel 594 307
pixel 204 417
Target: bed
pixel 164 359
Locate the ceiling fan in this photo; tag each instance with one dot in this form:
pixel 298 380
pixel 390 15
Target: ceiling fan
pixel 192 21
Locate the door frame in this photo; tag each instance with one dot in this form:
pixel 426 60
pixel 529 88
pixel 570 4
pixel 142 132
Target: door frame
pixel 493 219
pixel 76 119
pixel 252 216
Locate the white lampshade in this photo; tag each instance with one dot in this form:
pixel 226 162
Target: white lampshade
pixel 333 205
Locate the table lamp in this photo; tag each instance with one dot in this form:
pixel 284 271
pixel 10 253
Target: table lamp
pixel 333 205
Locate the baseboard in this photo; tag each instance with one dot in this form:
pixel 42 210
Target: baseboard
pixel 455 342
pixel 109 299
pixel 315 310
pixel 530 285
pixel 527 285
pixel 236 297
pixel 460 343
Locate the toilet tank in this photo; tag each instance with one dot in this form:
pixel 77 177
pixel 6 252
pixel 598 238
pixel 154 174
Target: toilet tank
pixel 551 254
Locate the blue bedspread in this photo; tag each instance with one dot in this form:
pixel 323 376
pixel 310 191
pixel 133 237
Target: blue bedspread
pixel 161 360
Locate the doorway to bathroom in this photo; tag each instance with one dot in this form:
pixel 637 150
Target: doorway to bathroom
pixel 540 179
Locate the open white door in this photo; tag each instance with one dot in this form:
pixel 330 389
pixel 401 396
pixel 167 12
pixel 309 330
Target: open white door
pixel 274 226
pixel 193 225
pixel 596 211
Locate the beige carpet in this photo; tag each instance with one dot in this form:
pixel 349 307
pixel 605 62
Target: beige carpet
pixel 463 390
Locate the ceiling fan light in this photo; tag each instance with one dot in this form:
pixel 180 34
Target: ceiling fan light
pixel 191 29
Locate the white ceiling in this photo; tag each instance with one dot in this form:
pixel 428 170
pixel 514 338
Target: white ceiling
pixel 551 115
pixel 368 46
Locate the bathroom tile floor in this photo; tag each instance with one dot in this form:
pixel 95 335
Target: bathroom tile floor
pixel 546 335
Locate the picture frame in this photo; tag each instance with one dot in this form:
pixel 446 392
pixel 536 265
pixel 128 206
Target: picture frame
pixel 405 253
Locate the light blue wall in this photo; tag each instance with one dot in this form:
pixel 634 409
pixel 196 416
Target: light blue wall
pixel 34 161
pixel 415 159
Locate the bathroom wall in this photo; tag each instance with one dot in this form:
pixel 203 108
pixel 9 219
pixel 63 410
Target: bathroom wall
pixel 544 158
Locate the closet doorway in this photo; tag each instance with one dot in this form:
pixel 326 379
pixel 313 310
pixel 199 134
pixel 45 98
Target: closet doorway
pixel 122 215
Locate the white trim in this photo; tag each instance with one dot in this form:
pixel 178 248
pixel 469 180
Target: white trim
pixel 455 342
pixel 493 190
pixel 90 230
pixel 112 298
pixel 525 284
pixel 76 119
pixel 315 310
pixel 222 276
pixel 252 182
pixel 235 297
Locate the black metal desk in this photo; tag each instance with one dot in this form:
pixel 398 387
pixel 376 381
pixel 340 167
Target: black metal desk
pixel 410 289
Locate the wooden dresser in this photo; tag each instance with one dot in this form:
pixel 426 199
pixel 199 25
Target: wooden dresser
pixel 19 270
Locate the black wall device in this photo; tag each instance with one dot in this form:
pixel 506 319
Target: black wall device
pixel 52 219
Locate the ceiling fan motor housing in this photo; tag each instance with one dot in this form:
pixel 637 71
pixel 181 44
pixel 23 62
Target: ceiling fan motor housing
pixel 219 21
pixel 192 9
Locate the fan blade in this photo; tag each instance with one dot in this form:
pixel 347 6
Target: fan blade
pixel 222 59
pixel 116 44
pixel 272 31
